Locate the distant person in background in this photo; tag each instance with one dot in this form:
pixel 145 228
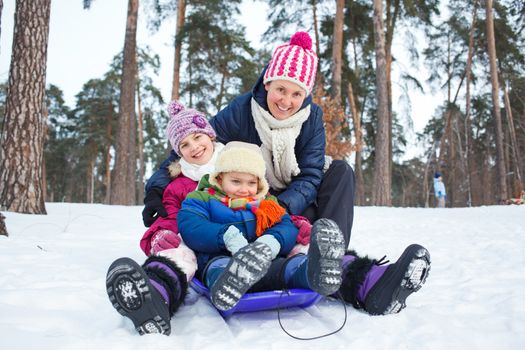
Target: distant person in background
pixel 439 190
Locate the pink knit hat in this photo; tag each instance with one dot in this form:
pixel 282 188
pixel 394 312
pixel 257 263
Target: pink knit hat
pixel 295 62
pixel 184 122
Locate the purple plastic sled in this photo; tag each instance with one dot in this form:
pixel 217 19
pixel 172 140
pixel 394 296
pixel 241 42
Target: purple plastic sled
pixel 259 301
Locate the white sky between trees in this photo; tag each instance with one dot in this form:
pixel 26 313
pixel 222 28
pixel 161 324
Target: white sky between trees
pixel 82 44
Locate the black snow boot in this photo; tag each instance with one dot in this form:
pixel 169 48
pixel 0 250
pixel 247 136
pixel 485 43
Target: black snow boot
pixel 149 294
pixel 382 289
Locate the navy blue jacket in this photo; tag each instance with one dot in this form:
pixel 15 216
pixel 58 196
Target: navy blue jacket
pixel 235 123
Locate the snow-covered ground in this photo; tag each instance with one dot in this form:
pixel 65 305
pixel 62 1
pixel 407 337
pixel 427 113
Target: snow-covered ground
pixel 53 268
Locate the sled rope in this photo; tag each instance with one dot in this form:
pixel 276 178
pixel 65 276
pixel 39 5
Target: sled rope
pixel 340 297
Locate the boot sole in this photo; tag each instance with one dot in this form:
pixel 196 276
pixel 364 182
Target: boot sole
pixel 325 254
pixel 406 276
pixel 131 294
pixel 246 268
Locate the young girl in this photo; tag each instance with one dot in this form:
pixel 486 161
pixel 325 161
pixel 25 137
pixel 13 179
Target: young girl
pixel 150 294
pixel 232 213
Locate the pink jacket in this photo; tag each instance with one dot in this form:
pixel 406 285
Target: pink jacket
pixel 172 199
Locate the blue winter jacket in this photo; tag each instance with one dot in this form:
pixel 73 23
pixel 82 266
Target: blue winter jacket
pixel 439 188
pixel 235 123
pixel 202 221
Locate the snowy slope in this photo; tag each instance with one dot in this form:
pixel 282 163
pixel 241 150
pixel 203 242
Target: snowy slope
pixel 52 290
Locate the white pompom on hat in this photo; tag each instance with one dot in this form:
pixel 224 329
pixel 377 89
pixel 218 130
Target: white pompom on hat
pixel 244 158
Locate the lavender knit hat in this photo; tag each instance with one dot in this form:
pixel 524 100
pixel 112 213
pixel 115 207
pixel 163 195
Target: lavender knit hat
pixel 295 62
pixel 185 121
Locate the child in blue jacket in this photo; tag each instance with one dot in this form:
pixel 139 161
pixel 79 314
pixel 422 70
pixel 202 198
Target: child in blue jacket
pixel 241 235
pixel 439 190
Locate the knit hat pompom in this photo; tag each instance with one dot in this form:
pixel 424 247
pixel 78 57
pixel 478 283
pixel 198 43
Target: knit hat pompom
pixel 295 62
pixel 244 158
pixel 302 39
pixel 174 107
pixel 185 121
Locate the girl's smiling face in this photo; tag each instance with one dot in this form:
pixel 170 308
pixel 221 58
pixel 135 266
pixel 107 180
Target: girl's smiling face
pixel 196 148
pixel 284 98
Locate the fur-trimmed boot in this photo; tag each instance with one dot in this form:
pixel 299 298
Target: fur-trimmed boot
pixel 382 289
pixel 149 294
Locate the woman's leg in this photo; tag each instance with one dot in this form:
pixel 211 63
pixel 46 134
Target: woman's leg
pixel 335 198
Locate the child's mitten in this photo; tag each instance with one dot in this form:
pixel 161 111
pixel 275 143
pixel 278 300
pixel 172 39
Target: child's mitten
pixel 271 242
pixel 164 239
pixel 234 240
pixel 305 228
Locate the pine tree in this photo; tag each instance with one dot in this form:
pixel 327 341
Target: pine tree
pixel 382 178
pixel 217 53
pixel 23 129
pixel 502 171
pixel 123 186
pixel 60 143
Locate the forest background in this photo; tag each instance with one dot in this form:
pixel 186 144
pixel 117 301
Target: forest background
pixel 466 56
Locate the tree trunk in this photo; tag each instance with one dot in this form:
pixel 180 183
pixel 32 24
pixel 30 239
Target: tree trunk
pixel 451 180
pixel 318 77
pixel 486 176
pixel 468 71
pixel 462 166
pixel 516 157
pixel 446 136
pixel 356 117
pixel 22 138
pixel 3 227
pixel 107 153
pixel 381 194
pixel 140 147
pixel 181 18
pixel 190 77
pixel 337 51
pixel 221 89
pixel 426 189
pixel 1 9
pixel 390 28
pixel 123 186
pixel 491 46
pixel 90 177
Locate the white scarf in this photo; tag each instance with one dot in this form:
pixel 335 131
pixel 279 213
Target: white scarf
pixel 196 172
pixel 278 144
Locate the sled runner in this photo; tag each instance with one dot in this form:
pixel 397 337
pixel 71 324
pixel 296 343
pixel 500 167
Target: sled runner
pixel 260 301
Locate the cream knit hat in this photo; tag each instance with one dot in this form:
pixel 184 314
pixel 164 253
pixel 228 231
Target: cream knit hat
pixel 241 157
